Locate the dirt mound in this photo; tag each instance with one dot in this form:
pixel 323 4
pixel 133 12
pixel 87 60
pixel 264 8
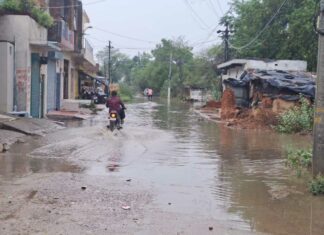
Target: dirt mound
pixel 255 119
pixel 228 99
pixel 228 104
pixel 213 104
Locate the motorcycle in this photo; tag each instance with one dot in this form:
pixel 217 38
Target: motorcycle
pixel 114 120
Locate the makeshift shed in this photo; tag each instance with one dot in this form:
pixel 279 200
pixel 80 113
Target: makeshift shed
pixel 258 85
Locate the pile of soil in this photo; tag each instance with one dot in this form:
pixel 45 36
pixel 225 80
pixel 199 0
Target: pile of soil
pixel 213 104
pixel 259 118
pixel 228 105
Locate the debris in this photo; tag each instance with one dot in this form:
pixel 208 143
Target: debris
pixel 32 194
pixel 21 141
pixel 129 180
pixel 211 228
pixel 169 203
pixel 83 187
pixel 126 207
pixel 10 202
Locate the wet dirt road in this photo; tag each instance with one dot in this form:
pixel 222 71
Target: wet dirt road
pixel 167 172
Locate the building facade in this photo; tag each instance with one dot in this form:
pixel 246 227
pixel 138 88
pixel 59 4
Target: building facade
pixel 40 67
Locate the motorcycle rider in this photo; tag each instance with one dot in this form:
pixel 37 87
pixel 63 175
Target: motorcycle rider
pixel 115 103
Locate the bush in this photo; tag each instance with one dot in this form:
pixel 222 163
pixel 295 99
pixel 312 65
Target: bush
pixel 299 159
pixel 317 185
pixel 297 119
pixel 28 7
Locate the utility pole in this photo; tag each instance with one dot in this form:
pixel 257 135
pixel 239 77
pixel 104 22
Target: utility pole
pixel 318 148
pixel 225 35
pixel 109 63
pixel 170 75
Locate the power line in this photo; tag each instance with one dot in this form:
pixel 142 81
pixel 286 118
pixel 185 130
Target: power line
pixel 261 31
pixel 195 15
pixel 213 8
pixel 124 36
pixel 220 6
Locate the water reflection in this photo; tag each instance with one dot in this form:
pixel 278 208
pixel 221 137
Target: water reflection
pixel 237 176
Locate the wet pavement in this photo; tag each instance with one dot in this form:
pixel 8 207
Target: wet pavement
pixel 174 172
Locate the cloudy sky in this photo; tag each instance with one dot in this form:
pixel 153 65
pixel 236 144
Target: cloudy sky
pixel 138 25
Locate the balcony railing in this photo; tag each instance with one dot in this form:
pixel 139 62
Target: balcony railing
pixel 61 33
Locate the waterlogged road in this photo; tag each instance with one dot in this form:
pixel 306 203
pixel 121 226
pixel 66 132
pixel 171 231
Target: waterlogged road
pixel 167 172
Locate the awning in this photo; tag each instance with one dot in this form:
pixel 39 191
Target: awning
pixel 46 45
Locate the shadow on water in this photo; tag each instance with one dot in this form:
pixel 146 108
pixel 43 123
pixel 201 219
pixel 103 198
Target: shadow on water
pixel 235 176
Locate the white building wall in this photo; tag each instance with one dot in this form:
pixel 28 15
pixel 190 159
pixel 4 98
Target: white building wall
pixel 22 31
pixel 6 77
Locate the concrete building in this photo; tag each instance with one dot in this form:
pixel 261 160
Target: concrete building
pixel 76 56
pixel 40 67
pixel 6 76
pixel 29 47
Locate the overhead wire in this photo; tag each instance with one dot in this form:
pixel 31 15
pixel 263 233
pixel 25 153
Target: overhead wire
pixel 219 5
pixel 124 36
pixel 261 31
pixel 213 8
pixel 195 15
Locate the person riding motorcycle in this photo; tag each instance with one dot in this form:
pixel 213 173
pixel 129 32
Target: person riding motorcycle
pixel 114 103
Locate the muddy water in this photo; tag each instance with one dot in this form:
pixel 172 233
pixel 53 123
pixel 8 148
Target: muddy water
pixel 235 177
pixel 194 169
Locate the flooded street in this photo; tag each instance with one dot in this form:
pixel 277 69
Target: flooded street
pixel 167 172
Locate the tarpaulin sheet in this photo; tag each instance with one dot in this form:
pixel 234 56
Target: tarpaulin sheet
pixel 279 80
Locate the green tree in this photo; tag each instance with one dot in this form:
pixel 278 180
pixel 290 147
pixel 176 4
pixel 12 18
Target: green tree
pixel 290 34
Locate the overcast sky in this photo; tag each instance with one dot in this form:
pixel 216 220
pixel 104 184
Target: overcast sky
pixel 151 20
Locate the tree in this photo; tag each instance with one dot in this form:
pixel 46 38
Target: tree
pixel 121 64
pixel 290 34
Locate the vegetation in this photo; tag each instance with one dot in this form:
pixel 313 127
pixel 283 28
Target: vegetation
pixel 299 160
pixel 297 119
pixel 317 185
pixel 290 34
pixel 125 92
pixel 29 7
pixel 152 69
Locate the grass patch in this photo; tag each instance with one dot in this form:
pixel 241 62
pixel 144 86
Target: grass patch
pixel 301 161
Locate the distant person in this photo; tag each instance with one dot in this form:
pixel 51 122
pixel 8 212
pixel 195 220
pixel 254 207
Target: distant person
pixel 150 94
pixel 114 103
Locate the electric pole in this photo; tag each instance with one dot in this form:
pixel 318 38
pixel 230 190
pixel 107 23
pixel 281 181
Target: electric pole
pixel 318 148
pixel 170 75
pixel 225 35
pixel 109 63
